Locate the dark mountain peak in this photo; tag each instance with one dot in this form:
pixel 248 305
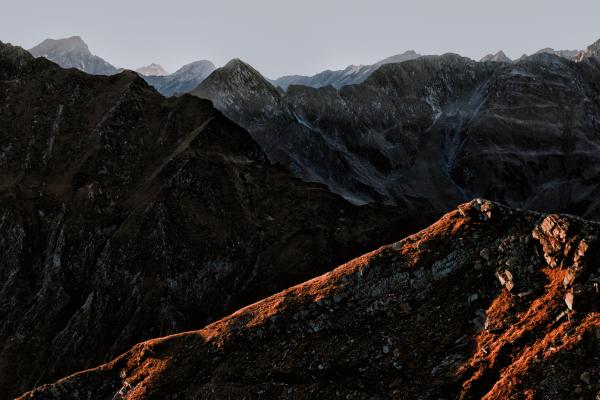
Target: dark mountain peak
pixel 484 296
pixel 142 216
pixel 238 65
pixel 498 57
pixel 14 60
pixel 237 74
pixel 14 54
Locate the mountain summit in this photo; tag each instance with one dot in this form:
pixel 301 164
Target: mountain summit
pixel 73 52
pixel 498 57
pixel 152 70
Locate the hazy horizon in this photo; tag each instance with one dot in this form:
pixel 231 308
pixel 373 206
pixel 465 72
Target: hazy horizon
pixel 283 38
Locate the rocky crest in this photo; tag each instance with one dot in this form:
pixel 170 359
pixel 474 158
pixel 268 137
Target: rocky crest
pixel 592 52
pixel 489 302
pixel 436 131
pixel 126 216
pixel 568 54
pixel 351 75
pixel 498 57
pixel 73 53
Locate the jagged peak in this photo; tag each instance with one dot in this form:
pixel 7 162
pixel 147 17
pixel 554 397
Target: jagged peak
pixel 500 56
pixel 238 67
pixel 13 59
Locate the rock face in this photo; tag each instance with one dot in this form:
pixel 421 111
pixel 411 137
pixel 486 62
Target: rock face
pixel 152 70
pixel 568 54
pixel 424 318
pixel 592 52
pixel 498 57
pixel 438 131
pixel 126 215
pixel 183 80
pixel 73 53
pixel 352 75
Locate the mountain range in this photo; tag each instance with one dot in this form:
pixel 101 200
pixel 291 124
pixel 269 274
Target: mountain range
pixel 352 75
pixel 437 130
pixel 487 303
pixel 246 240
pixel 126 215
pixel 74 53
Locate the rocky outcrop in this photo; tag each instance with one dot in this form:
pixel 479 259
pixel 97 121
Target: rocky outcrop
pixel 435 131
pixel 479 305
pixel 73 53
pixel 126 216
pixel 498 57
pixel 351 75
pixel 568 54
pixel 592 52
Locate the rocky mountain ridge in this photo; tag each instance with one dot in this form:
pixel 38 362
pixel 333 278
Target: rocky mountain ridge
pixel 434 131
pixel 126 216
pixel 487 303
pixel 351 75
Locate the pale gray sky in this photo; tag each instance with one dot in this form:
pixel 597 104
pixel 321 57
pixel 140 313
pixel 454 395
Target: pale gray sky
pixel 300 37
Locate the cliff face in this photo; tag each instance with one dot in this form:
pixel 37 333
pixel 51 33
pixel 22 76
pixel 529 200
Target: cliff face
pixel 488 302
pixel 436 131
pixel 126 216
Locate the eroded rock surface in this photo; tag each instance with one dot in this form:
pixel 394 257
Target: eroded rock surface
pixel 424 318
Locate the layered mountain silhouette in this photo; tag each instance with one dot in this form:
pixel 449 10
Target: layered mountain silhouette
pixel 126 216
pixel 174 248
pixel 351 75
pixel 74 53
pixel 488 302
pixel 437 130
pixel 183 80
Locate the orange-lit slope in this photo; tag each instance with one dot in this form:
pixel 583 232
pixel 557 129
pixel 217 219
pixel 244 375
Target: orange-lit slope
pixel 472 307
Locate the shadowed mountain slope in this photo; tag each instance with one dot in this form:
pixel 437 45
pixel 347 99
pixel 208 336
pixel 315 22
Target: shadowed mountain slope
pixel 438 131
pixel 126 215
pixel 488 302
